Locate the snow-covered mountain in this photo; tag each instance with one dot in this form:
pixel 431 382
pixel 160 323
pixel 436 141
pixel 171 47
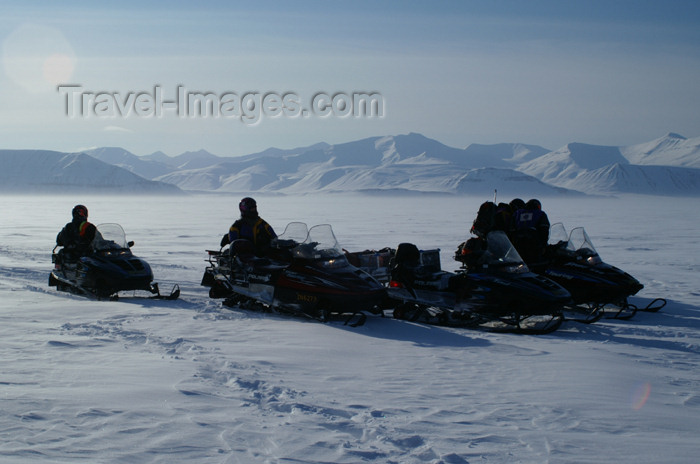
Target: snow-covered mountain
pixel 194 160
pixel 141 166
pixel 670 150
pixel 409 162
pixel 43 171
pixel 569 162
pixel 668 166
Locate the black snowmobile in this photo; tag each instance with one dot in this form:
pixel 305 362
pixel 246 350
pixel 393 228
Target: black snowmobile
pixel 108 269
pixel 496 291
pixel 304 273
pixel 573 262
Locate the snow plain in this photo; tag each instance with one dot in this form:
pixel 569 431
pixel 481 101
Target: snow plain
pixel 146 381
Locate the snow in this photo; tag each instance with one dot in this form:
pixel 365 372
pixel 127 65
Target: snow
pixel 191 381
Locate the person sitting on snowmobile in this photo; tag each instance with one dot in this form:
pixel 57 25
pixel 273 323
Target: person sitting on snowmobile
pixel 77 235
pixel 251 227
pixel 490 217
pixel 502 217
pixel 483 223
pixel 530 231
pixel 516 204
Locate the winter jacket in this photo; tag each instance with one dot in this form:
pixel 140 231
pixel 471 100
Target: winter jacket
pixel 254 229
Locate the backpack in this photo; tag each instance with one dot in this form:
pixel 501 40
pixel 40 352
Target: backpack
pixel 483 224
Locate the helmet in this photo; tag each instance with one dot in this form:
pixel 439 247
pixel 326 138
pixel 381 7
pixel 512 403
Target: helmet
pixel 248 207
pixel 517 204
pixel 80 212
pixel 533 204
pixel 503 207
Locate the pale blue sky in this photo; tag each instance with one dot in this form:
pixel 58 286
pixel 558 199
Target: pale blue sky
pixel 538 72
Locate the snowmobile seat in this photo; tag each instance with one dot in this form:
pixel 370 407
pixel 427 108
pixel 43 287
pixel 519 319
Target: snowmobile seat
pixel 242 250
pixel 265 266
pixel 283 243
pixel 68 256
pixel 243 253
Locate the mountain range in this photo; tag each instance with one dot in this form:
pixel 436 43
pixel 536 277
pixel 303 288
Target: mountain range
pixel 669 165
pixel 44 171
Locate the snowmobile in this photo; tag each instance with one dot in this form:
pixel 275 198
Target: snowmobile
pixel 495 291
pixel 573 262
pixel 304 273
pixel 108 269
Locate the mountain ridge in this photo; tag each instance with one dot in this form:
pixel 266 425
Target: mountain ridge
pixel 668 165
pixel 46 171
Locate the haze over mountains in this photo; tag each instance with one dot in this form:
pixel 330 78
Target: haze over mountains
pixel 669 165
pixel 44 171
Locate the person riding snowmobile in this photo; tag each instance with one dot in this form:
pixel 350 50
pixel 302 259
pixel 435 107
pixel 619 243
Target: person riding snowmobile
pixel 530 231
pixel 250 226
pixel 77 235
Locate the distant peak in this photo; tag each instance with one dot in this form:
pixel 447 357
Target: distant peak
pixel 673 135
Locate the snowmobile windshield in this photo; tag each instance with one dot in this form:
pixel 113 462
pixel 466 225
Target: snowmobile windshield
pixel 501 253
pixel 294 234
pixel 297 231
pixel 581 244
pixel 557 234
pixel 110 237
pixel 321 244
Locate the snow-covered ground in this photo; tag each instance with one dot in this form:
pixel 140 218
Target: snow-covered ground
pixel 190 381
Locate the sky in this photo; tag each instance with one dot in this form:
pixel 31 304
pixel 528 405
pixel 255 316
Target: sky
pixel 239 77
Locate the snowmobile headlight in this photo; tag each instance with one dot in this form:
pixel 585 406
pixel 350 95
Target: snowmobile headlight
pixel 593 260
pixel 333 263
pixel 516 269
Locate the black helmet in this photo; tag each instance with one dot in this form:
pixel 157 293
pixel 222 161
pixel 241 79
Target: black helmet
pixel 248 207
pixel 517 204
pixel 533 204
pixel 80 212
